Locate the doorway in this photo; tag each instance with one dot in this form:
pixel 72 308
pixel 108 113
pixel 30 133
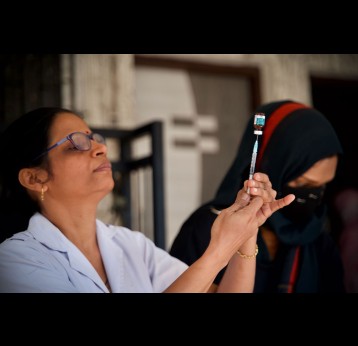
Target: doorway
pixel 204 109
pixel 336 99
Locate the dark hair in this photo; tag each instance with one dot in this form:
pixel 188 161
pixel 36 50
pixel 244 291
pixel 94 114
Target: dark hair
pixel 21 142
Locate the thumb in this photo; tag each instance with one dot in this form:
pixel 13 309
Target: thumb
pixel 282 202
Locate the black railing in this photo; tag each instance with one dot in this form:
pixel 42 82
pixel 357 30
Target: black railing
pixel 126 164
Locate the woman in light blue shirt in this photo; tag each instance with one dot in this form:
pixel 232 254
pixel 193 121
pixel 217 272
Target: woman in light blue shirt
pixel 55 171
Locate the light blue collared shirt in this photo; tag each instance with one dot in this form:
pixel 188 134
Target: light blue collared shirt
pixel 42 259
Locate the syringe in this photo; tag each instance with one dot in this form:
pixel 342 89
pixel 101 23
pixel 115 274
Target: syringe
pixel 259 123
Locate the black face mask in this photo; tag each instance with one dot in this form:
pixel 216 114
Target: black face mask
pixel 305 204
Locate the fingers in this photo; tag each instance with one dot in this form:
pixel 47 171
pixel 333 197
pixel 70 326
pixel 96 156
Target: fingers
pixel 254 205
pixel 231 229
pixel 263 178
pixel 268 209
pixel 242 199
pixel 288 200
pixel 245 204
pixel 261 186
pixel 282 202
pixel 251 208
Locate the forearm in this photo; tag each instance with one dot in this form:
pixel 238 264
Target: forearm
pixel 239 276
pixel 199 276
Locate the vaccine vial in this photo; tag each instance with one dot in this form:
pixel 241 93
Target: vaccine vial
pixel 259 123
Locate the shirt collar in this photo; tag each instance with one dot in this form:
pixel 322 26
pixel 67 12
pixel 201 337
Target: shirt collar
pixel 50 236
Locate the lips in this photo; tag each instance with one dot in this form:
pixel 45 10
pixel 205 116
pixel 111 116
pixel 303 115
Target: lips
pixel 104 167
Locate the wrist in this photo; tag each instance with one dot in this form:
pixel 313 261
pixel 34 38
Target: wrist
pixel 250 255
pixel 249 245
pixel 214 258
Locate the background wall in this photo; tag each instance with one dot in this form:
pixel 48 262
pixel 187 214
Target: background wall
pixel 111 90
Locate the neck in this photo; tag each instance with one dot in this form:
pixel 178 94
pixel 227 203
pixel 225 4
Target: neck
pixel 78 224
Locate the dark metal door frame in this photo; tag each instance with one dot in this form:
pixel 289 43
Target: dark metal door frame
pixel 125 164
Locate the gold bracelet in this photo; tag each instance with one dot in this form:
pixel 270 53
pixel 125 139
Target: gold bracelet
pixel 247 256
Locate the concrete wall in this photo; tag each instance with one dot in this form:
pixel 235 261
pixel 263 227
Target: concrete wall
pixel 284 75
pixel 102 85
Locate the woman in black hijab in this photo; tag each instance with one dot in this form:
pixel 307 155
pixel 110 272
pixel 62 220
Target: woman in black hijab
pixel 298 151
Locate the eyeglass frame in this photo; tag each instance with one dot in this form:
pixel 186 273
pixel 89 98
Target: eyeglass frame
pixel 69 138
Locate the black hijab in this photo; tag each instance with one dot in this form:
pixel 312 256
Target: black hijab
pixel 294 138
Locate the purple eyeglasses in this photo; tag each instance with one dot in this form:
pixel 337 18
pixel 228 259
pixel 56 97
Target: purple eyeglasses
pixel 81 141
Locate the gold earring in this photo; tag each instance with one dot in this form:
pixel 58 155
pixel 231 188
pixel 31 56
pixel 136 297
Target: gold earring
pixel 42 196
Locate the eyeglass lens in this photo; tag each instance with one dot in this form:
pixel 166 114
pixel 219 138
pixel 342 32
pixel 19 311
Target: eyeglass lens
pixel 82 141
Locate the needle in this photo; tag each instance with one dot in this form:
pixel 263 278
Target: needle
pixel 253 161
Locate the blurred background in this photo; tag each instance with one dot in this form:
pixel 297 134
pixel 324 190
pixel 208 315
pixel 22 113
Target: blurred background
pixel 202 103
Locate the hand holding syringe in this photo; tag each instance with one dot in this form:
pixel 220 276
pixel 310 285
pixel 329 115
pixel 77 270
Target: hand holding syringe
pixel 259 123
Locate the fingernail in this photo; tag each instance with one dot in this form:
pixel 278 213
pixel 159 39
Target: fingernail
pixel 245 197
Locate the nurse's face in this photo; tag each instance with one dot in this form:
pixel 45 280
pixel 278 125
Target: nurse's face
pixel 75 174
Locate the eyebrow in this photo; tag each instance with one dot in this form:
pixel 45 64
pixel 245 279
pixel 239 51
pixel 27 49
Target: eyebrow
pixel 307 179
pixel 313 182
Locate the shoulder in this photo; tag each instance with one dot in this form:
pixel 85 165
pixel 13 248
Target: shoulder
pixel 23 246
pixel 19 242
pixel 27 265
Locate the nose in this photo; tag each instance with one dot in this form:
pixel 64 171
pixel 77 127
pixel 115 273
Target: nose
pixel 98 148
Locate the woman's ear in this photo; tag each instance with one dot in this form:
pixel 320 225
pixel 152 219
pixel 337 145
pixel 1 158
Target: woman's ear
pixel 32 179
